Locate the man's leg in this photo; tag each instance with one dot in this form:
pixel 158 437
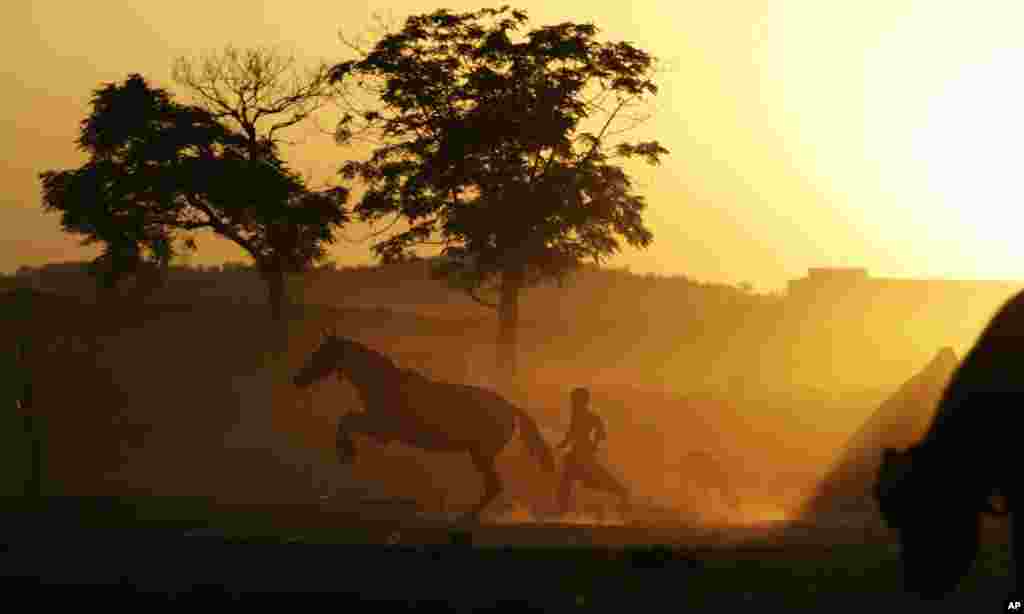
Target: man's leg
pixel 565 486
pixel 599 478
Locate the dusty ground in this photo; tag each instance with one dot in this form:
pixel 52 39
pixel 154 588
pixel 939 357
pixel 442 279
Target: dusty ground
pixel 835 579
pixel 551 566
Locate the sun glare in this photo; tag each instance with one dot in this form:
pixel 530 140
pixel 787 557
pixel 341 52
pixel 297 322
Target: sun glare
pixel 968 142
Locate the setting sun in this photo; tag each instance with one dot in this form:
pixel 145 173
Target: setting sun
pixel 968 142
pixel 941 126
pixel 801 133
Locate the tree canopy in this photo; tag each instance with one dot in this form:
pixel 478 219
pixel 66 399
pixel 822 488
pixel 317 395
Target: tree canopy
pixel 484 148
pixel 484 142
pixel 158 169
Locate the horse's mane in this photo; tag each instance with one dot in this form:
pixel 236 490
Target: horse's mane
pixel 966 424
pixel 983 369
pixel 372 353
pixel 950 474
pixel 1008 322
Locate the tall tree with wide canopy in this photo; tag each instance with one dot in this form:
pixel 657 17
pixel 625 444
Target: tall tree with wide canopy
pixel 158 168
pixel 484 150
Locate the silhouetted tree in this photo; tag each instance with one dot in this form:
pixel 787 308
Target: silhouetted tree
pixel 149 263
pixel 158 168
pixel 259 92
pixel 107 214
pixel 483 146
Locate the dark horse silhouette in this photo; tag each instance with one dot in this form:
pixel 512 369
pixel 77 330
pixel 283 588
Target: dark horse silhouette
pixel 934 492
pixel 402 405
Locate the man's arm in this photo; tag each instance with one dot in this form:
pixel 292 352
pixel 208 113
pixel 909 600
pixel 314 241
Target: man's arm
pixel 600 434
pixel 568 433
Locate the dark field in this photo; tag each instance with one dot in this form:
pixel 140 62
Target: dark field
pixel 189 549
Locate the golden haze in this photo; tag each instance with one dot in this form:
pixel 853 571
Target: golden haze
pixel 802 133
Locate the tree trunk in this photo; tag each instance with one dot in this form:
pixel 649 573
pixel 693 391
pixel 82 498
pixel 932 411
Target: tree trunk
pixel 107 286
pixel 161 270
pixel 276 294
pixel 278 298
pixel 147 279
pixel 508 324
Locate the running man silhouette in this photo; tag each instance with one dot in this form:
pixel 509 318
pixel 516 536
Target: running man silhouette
pixel 586 432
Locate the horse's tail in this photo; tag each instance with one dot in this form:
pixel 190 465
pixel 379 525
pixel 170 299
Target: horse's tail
pixel 535 442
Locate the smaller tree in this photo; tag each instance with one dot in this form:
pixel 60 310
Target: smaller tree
pixel 158 169
pixel 136 242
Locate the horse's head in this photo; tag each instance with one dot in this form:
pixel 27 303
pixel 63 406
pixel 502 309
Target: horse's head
pixel 344 356
pixel 937 522
pixel 891 486
pixel 323 361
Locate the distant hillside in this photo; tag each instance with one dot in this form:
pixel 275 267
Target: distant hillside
pixel 669 332
pixel 605 319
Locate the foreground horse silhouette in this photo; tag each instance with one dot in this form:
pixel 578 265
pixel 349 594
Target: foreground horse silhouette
pixel 402 405
pixel 935 492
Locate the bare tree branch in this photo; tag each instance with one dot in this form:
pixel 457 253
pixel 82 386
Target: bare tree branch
pixel 256 85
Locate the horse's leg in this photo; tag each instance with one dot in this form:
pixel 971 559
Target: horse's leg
pixel 595 475
pixel 377 426
pixel 492 482
pixel 343 440
pixel 598 477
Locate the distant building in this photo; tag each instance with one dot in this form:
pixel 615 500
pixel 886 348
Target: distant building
pixel 826 281
pixel 835 283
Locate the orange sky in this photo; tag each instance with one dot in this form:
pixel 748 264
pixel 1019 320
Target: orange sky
pixel 803 133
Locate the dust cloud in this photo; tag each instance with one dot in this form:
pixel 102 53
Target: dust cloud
pixel 723 406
